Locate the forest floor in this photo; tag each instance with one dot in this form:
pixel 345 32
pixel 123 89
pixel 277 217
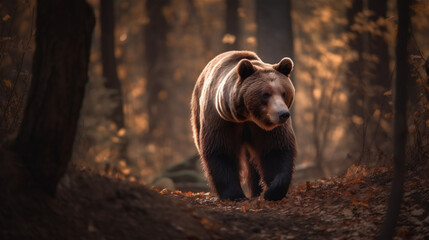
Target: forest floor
pixel 90 206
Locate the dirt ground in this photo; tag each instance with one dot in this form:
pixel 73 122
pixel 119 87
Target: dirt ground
pixel 89 206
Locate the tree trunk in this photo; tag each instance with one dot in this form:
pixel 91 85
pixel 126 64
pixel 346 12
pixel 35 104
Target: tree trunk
pixel 232 24
pixel 157 63
pixel 107 22
pixel 378 46
pixel 60 72
pixel 354 74
pixel 400 120
pixel 275 38
pixel 381 80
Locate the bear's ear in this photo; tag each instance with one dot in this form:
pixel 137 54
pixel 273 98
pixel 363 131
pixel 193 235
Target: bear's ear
pixel 245 68
pixel 285 66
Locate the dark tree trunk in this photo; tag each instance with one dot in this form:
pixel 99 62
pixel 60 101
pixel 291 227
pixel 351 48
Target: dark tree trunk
pixel 60 72
pixel 400 120
pixel 275 38
pixel 107 22
pixel 157 63
pixel 378 46
pixel 381 80
pixel 232 23
pixel 354 74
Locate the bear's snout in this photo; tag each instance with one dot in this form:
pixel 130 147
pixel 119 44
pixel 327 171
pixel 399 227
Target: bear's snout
pixel 284 115
pixel 278 112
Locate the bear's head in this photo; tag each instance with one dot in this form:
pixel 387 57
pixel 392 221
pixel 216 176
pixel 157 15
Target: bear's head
pixel 265 92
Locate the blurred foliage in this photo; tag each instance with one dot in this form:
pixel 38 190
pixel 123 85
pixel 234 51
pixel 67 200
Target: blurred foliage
pixel 321 52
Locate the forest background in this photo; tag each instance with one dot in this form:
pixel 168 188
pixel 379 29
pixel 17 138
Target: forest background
pixel 134 122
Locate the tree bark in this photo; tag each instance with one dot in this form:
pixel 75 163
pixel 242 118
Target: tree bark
pixel 378 46
pixel 275 37
pixel 400 120
pixel 232 24
pixel 107 22
pixel 354 73
pixel 381 80
pixel 60 72
pixel 157 63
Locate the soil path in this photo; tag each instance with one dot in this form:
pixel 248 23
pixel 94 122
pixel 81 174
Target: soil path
pixel 90 206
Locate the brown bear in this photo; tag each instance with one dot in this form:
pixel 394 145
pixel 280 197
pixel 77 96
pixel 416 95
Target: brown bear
pixel 240 115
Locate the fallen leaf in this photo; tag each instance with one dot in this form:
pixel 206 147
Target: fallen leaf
pixel 188 194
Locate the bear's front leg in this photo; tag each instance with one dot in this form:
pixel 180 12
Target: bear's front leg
pixel 277 167
pixel 223 174
pixel 219 151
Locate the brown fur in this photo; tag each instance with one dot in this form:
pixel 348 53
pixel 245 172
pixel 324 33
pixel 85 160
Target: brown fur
pixel 240 103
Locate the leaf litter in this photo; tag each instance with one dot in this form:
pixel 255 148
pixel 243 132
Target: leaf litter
pixel 352 206
pixel 90 206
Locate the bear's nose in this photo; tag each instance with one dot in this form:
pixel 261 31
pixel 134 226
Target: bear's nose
pixel 284 115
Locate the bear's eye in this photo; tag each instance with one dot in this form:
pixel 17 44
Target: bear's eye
pixel 266 96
